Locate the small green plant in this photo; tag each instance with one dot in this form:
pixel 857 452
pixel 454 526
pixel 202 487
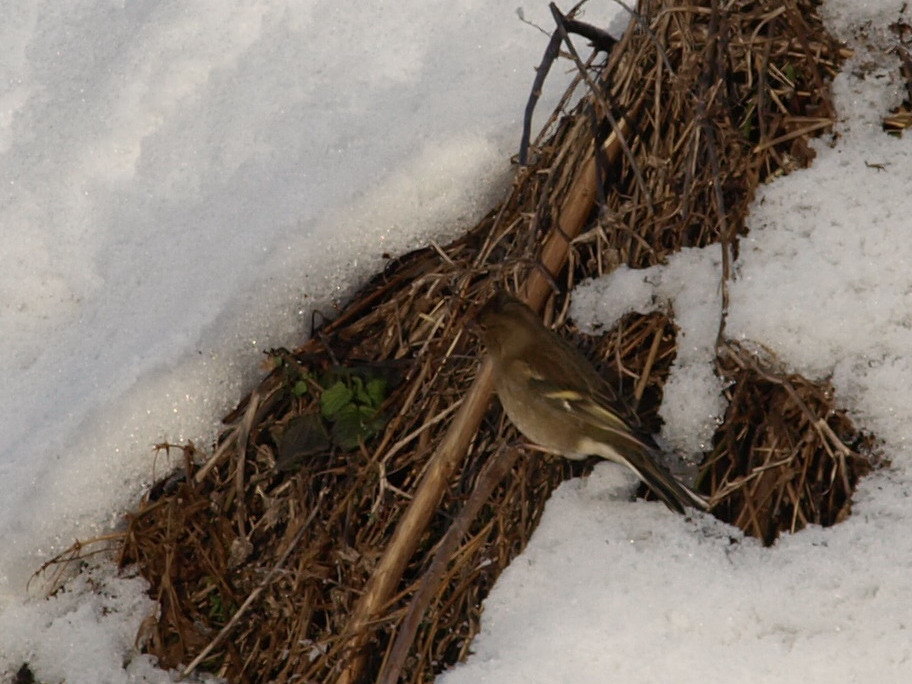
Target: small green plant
pixel 349 400
pixel 220 610
pixel 300 388
pixel 352 405
pixel 791 73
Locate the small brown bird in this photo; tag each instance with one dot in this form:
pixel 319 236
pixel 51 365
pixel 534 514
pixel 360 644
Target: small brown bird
pixel 554 397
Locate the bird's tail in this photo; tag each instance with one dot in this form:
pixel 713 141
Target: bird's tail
pixel 645 463
pixel 675 494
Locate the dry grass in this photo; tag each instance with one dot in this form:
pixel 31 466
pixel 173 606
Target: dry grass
pixel 283 556
pixel 786 456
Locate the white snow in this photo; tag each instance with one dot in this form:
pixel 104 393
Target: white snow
pixel 689 287
pixel 185 183
pixel 611 590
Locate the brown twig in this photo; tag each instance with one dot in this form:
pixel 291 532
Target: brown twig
pixel 600 40
pixel 489 478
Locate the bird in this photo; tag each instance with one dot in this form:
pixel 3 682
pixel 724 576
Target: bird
pixel 558 401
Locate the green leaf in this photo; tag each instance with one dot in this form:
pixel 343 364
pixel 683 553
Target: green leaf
pixel 348 430
pixel 790 72
pixel 366 415
pixel 356 424
pixel 376 392
pixel 334 399
pixel 300 388
pixel 361 395
pixel 372 421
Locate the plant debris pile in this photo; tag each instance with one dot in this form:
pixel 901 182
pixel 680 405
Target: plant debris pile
pixel 786 456
pixel 288 552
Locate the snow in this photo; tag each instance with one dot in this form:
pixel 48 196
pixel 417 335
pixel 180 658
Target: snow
pixel 613 590
pixel 688 286
pixel 184 184
pixel 87 645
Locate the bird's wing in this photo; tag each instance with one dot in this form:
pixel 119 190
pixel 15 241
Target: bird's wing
pixel 610 437
pixel 580 403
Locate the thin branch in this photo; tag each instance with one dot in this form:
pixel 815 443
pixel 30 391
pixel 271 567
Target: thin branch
pixel 599 95
pixel 601 40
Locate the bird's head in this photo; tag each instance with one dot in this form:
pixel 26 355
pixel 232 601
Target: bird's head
pixel 506 324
